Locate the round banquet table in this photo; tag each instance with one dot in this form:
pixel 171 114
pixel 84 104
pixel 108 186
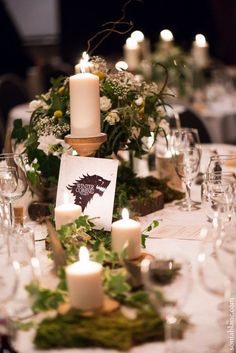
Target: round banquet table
pixel 178 231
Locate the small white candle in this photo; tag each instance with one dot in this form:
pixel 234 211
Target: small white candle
pixel 126 232
pixel 66 213
pixel 84 104
pixel 132 54
pixel 200 53
pixel 84 282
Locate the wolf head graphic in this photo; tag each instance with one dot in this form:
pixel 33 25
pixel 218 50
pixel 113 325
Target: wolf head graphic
pixel 86 187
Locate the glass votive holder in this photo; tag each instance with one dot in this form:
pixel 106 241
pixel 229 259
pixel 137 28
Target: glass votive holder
pixel 22 245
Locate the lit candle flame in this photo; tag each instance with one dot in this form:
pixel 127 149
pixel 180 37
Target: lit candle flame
pixel 200 40
pixel 125 213
pixel 84 62
pixel 83 255
pixel 166 35
pixel 138 36
pixel 121 66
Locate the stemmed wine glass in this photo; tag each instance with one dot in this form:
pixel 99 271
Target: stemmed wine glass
pixel 217 195
pixel 217 255
pixel 174 293
pixel 186 154
pixel 13 180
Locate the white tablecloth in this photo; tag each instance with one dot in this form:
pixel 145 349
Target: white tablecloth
pixel 178 231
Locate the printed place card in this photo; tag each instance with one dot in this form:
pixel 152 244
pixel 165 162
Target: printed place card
pixel 90 183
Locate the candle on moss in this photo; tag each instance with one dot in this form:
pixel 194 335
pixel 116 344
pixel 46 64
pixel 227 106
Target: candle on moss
pixel 126 232
pixel 84 281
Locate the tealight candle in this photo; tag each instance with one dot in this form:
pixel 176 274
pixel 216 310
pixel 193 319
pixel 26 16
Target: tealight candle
pixel 126 232
pixel 66 213
pixel 200 51
pixel 84 103
pixel 84 282
pixel 132 54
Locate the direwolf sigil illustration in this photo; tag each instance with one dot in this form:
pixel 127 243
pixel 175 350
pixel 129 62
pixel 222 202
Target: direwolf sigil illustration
pixel 86 187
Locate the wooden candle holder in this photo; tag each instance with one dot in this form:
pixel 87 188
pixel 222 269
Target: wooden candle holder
pixel 86 146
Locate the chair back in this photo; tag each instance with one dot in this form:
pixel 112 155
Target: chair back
pixel 188 118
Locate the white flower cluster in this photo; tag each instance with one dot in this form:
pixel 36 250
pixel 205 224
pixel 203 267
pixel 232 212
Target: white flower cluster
pixel 49 126
pixel 51 145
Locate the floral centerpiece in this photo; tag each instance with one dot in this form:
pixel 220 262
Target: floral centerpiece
pixel 131 112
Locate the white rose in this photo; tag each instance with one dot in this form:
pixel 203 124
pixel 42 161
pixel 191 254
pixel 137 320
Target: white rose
pixel 112 117
pixel 165 126
pixel 37 103
pixel 139 101
pixel 105 103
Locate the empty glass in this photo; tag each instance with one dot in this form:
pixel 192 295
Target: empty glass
pixel 13 180
pixel 186 154
pixel 175 291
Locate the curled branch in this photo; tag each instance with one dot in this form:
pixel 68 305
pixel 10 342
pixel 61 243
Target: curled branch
pixel 112 29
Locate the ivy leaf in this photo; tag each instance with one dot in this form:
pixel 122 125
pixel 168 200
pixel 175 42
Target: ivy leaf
pixel 147 230
pixel 116 283
pixel 45 298
pixel 19 131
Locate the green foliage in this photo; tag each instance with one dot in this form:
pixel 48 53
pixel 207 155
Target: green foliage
pixel 45 299
pixel 111 330
pixel 130 187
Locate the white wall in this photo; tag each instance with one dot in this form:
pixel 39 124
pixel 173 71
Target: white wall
pixel 35 19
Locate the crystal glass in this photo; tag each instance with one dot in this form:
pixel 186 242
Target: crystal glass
pixel 168 297
pixel 13 180
pixel 186 162
pixel 217 195
pixel 216 269
pixel 185 139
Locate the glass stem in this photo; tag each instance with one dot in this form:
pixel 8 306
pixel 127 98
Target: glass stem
pixel 11 216
pixel 188 194
pixel 170 334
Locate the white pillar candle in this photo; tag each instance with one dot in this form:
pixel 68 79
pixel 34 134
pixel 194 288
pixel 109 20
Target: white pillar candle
pixel 126 232
pixel 66 213
pixel 84 282
pixel 200 53
pixel 132 54
pixel 166 39
pixel 84 104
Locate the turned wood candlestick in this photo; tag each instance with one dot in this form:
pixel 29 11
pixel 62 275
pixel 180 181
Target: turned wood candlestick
pixel 86 146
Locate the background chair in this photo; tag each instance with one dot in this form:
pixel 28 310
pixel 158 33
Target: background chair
pixel 190 119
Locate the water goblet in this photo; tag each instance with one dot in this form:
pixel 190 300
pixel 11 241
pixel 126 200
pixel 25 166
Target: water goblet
pixel 13 189
pixel 9 280
pixel 186 163
pixel 217 196
pixel 216 266
pixel 156 275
